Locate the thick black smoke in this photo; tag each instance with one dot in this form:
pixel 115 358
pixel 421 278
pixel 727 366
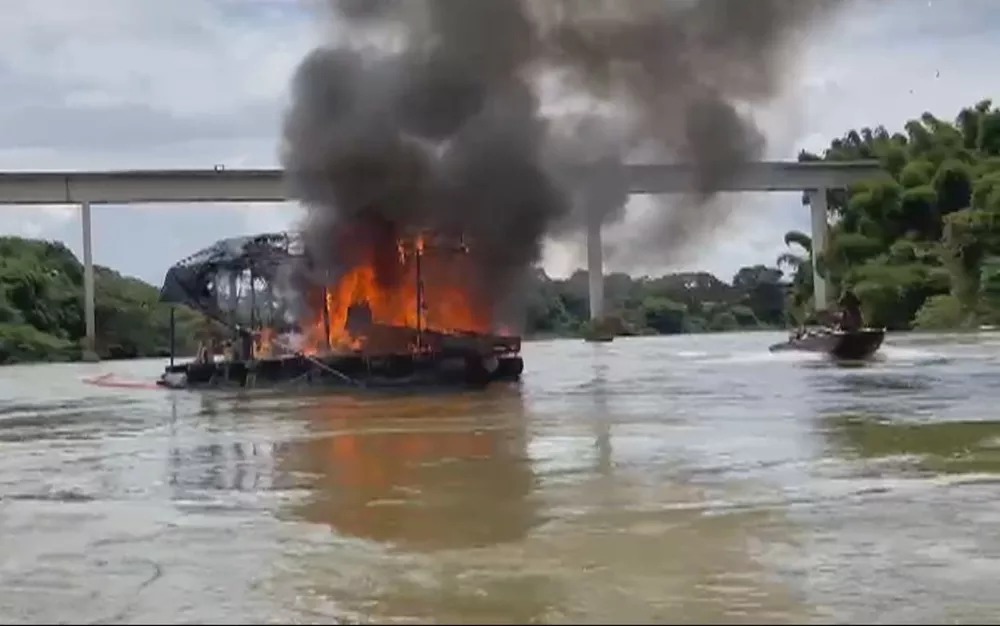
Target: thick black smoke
pixel 682 72
pixel 446 133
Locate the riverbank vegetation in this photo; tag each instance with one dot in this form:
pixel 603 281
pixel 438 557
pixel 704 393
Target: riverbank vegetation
pixel 920 244
pixel 672 304
pixel 41 308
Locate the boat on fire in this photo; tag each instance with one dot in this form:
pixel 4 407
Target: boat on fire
pixel 242 284
pixel 847 345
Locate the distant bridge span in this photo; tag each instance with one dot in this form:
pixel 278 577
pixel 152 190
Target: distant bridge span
pixel 269 185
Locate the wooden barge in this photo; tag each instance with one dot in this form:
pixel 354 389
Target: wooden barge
pixel 445 360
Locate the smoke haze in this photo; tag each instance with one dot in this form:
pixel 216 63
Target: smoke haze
pixel 447 131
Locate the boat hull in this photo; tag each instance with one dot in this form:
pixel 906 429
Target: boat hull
pixel 845 345
pixel 347 372
pixel 387 359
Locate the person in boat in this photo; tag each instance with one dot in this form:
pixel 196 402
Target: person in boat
pixel 207 342
pixel 204 355
pixel 851 318
pixel 246 344
pixel 808 326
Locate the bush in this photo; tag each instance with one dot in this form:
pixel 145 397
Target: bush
pixel 939 313
pixel 20 343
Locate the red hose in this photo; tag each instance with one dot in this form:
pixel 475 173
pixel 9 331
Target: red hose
pixel 107 380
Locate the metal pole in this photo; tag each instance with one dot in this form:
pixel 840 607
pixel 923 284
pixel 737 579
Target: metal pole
pixel 234 298
pixel 253 301
pixel 418 253
pixel 173 334
pixel 269 304
pixel 326 318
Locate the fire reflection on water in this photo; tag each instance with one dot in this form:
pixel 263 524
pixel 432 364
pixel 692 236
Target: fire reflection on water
pixel 380 470
pixel 455 504
pixel 433 507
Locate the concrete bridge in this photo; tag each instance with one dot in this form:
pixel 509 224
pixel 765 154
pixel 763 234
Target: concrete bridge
pixel 85 189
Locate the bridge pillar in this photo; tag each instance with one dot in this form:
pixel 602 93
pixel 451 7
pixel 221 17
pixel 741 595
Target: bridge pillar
pixel 595 264
pixel 817 207
pixel 604 193
pixel 89 310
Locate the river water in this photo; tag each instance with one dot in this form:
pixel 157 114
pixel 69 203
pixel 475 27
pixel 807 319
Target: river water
pixel 673 479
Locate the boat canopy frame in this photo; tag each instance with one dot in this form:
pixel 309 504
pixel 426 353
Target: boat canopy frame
pixel 234 279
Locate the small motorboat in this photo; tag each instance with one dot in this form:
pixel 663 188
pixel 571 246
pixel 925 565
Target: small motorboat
pixel 851 345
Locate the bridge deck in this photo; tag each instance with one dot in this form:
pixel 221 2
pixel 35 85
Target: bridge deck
pixel 268 185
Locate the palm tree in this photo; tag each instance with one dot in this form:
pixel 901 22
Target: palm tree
pixel 800 267
pixel 794 261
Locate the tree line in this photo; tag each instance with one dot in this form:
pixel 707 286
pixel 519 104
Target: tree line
pixel 42 316
pixel 676 303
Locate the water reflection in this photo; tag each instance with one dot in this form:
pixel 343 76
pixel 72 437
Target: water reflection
pixel 218 466
pixel 883 383
pixel 83 419
pixel 602 418
pixel 444 491
pixel 421 474
pixel 938 447
pixel 212 454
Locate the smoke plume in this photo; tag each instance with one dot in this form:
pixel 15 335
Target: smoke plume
pixel 447 132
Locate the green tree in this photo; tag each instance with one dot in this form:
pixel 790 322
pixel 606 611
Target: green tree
pixel 799 295
pixel 762 294
pixel 915 241
pixel 41 307
pixel 665 316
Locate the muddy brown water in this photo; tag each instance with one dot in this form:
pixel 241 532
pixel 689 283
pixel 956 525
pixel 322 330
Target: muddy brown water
pixel 684 479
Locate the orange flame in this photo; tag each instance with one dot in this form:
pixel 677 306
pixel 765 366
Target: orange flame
pixel 442 300
pixel 265 348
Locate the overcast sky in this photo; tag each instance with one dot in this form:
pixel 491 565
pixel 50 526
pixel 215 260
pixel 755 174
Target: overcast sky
pixel 127 84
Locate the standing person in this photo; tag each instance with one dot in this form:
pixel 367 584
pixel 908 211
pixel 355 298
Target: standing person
pixel 207 337
pixel 851 318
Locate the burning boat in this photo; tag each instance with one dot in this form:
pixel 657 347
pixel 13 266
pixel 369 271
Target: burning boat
pixel 394 317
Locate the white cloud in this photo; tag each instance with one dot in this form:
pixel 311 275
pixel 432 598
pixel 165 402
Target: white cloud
pixel 107 84
pixel 119 84
pixel 272 217
pixel 34 221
